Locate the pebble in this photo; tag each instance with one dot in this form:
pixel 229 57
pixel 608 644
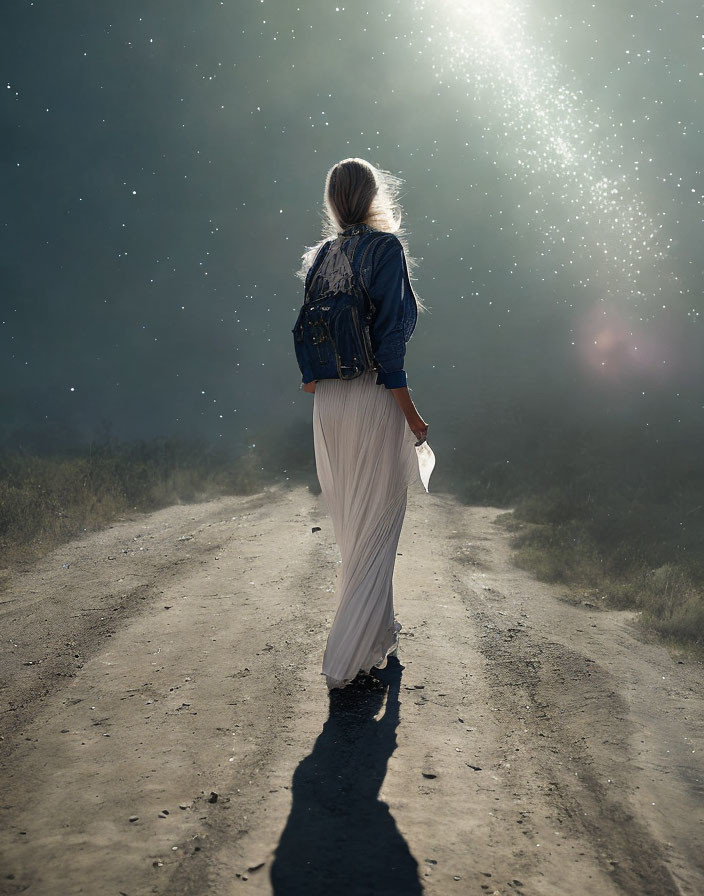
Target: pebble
pixel 134 817
pixel 213 798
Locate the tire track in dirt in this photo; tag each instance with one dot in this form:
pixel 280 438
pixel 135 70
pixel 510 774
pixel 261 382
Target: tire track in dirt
pixel 534 683
pixel 566 701
pixel 58 613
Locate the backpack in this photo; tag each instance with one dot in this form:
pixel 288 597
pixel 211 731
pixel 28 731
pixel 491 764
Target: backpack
pixel 331 335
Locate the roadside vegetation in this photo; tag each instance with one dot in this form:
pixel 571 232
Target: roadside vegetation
pixel 47 499
pixel 50 495
pixel 616 516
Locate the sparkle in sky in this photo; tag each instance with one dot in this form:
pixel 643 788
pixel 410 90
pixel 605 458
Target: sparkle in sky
pixel 580 172
pixel 163 169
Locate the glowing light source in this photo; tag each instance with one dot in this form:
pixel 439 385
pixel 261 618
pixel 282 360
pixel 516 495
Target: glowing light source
pixel 549 135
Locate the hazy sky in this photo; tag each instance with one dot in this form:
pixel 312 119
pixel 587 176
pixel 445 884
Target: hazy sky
pixel 163 167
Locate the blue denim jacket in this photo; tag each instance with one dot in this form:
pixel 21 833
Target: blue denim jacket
pixel 376 259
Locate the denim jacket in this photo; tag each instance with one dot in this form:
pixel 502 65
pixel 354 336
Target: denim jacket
pixel 376 260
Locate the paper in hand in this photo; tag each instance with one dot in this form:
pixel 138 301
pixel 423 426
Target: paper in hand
pixel 426 462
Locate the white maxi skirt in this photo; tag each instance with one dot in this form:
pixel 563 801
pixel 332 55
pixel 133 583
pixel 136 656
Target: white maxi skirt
pixel 365 458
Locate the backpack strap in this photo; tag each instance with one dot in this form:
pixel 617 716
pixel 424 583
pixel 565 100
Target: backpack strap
pixel 316 261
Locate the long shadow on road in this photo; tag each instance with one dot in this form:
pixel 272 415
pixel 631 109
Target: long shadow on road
pixel 340 838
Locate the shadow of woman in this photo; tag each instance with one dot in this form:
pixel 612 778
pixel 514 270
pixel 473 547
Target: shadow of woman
pixel 339 837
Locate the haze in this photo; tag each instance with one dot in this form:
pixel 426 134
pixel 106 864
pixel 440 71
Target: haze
pixel 163 168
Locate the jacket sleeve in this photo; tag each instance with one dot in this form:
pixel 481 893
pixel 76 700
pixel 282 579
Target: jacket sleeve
pixel 389 295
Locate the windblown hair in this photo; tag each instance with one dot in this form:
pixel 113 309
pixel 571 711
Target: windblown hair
pixel 356 192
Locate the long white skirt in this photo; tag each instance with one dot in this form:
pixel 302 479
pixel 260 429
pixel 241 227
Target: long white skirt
pixel 365 459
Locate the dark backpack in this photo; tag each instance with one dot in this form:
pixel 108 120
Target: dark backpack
pixel 331 335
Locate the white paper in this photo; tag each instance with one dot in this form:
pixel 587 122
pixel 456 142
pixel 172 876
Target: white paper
pixel 426 462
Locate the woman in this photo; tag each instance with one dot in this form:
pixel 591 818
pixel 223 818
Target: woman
pixel 365 427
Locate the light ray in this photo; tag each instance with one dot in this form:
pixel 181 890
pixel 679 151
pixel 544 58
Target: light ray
pixel 562 146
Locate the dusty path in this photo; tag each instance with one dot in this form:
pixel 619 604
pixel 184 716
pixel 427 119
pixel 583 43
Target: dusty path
pixel 526 746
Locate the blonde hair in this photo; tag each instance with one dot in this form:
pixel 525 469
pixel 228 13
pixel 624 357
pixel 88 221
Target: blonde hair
pixel 357 192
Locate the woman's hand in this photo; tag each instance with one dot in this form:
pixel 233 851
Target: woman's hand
pixel 419 427
pixel 417 424
pixel 309 387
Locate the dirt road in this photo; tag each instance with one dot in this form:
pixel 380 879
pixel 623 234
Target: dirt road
pixel 167 729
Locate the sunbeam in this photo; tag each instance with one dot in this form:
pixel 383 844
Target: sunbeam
pixel 581 177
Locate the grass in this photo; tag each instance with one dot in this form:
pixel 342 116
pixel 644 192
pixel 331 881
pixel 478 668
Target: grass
pixel 669 595
pixel 46 499
pixel 610 514
pixel 50 495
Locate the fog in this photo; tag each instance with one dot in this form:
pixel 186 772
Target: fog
pixel 163 167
